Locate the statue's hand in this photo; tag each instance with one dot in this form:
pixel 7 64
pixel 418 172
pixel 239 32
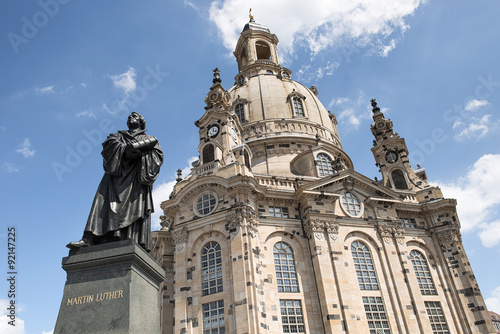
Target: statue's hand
pixel 131 152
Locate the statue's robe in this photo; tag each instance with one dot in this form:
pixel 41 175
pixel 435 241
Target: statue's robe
pixel 123 203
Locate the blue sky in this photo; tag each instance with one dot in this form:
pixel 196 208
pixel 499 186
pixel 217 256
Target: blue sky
pixel 72 71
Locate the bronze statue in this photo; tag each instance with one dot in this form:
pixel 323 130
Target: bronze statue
pixel 123 203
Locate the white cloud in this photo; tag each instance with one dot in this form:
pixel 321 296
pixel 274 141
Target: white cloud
pixel 86 113
pixel 45 90
pixel 10 167
pixel 50 332
pixel 125 81
pixel 162 191
pixel 478 198
pixel 5 328
pixel 351 112
pixel 476 128
pixel 474 104
pixel 25 149
pixel 319 25
pixel 493 302
pixel 490 233
pixel 190 4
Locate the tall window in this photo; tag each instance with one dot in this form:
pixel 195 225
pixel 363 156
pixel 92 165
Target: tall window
pixel 208 153
pixel 436 317
pixel 292 318
pixel 398 177
pixel 422 272
pixel 376 316
pixel 211 268
pixel 240 112
pixel 298 108
pixel 351 204
pixel 325 165
pixel 363 263
pixel 284 263
pixel 213 318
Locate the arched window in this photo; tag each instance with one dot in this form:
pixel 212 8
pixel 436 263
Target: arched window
pixel 325 165
pixel 298 108
pixel 284 263
pixel 208 153
pixel 422 272
pixel 263 50
pixel 211 268
pixel 398 177
pixel 240 112
pixel 363 263
pixel 246 156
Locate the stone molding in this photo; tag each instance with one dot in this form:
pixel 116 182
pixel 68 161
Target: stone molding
pixel 243 217
pixel 316 228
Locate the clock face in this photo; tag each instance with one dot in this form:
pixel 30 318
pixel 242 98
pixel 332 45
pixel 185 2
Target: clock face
pixel 391 157
pixel 213 130
pixel 380 125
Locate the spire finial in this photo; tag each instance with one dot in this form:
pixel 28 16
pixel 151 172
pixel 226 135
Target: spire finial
pixel 375 109
pixel 216 76
pixel 250 15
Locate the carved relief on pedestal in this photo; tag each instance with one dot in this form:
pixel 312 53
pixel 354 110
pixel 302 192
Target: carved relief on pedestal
pixel 179 238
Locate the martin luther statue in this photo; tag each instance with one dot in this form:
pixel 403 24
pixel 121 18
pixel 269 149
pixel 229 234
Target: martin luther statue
pixel 123 203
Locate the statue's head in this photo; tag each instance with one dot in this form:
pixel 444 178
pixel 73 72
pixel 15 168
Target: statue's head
pixel 142 121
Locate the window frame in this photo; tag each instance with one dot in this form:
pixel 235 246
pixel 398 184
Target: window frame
pixel 324 166
pixel 283 211
pixel 208 269
pixel 436 305
pixel 200 197
pixel 207 317
pixel 378 309
pixel 362 273
pixel 289 274
pixel 292 318
pixel 423 275
pixel 343 196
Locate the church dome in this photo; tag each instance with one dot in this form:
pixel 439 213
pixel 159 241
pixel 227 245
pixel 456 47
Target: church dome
pixel 280 117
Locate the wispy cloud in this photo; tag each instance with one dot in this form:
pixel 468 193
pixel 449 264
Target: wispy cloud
pixel 190 4
pixel 10 167
pixel 351 112
pixel 478 198
pixel 474 104
pixel 473 128
pixel 319 25
pixel 86 114
pixel 25 149
pixel 45 90
pixel 125 81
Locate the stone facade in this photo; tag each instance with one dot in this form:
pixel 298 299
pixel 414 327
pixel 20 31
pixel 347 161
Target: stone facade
pixel 275 232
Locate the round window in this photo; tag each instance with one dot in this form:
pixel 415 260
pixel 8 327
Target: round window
pixel 351 204
pixel 205 204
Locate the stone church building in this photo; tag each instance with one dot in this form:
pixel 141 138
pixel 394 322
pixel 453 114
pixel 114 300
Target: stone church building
pixel 275 232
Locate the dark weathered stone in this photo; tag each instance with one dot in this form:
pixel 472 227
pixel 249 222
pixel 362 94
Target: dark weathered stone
pixel 110 288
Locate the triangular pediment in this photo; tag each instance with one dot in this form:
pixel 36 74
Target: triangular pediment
pixel 352 181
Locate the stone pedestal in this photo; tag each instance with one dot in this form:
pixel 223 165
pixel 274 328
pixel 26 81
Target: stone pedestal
pixel 110 288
